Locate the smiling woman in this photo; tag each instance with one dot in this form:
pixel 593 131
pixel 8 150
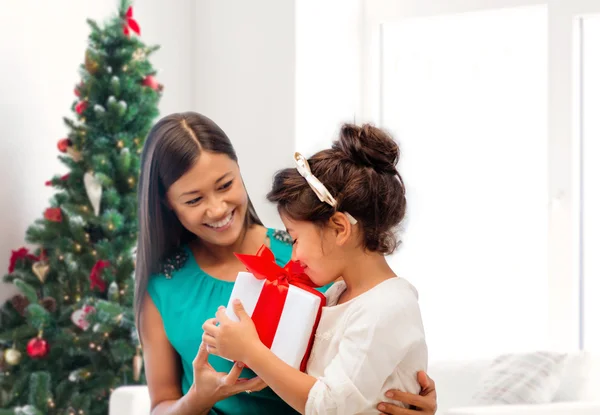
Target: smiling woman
pixel 215 206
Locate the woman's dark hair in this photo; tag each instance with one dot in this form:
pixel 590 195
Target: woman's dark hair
pixel 359 170
pixel 171 149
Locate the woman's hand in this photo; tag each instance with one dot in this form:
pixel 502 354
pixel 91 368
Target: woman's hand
pixel 230 339
pixel 425 402
pixel 211 386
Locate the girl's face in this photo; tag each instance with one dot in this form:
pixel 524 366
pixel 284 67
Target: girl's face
pixel 316 249
pixel 210 199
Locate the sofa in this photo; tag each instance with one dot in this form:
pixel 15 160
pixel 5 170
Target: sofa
pixel 578 391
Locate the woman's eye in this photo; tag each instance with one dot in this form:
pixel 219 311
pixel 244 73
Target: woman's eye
pixel 193 201
pixel 295 240
pixel 226 185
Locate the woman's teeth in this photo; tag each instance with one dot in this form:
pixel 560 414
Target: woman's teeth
pixel 221 223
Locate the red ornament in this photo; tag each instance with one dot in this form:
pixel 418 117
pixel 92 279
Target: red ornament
pixel 151 82
pixel 130 23
pixel 81 107
pixel 18 255
pixel 96 280
pixel 64 144
pixel 53 214
pixel 64 178
pixel 38 348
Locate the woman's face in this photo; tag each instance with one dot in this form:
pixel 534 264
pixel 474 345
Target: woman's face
pixel 210 199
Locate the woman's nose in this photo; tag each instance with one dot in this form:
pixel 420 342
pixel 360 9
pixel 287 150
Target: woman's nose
pixel 216 209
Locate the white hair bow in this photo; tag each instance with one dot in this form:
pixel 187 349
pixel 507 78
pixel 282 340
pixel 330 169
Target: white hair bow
pixel 316 185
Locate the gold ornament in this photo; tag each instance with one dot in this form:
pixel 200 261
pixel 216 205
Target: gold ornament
pixel 90 64
pixel 61 257
pixel 94 253
pixel 138 55
pixel 77 248
pixel 111 226
pixel 12 356
pixel 125 67
pixel 87 237
pixel 136 141
pixel 120 144
pixel 131 181
pixel 138 363
pixel 40 269
pixel 75 155
pixel 84 208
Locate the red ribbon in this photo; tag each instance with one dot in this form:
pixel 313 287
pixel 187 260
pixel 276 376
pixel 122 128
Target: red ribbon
pixel 130 23
pixel 271 300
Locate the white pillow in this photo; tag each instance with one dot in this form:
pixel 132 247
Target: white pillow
pixel 528 378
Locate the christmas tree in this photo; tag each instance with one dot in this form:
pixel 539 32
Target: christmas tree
pixel 68 338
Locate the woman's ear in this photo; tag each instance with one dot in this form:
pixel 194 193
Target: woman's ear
pixel 341 226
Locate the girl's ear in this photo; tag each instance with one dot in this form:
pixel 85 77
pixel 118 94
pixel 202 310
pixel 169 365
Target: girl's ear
pixel 341 226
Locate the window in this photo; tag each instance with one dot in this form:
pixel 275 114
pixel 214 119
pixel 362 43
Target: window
pixel 500 161
pixel 590 88
pixel 470 113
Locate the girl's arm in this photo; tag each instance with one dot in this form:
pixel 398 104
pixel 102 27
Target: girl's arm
pixel 240 342
pixel 292 385
pixel 374 343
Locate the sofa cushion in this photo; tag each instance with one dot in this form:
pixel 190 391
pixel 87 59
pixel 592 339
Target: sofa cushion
pixel 526 378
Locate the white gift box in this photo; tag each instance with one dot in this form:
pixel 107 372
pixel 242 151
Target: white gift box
pixel 297 321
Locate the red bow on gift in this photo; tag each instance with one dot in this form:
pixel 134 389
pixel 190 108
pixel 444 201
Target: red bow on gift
pixel 271 300
pixel 130 23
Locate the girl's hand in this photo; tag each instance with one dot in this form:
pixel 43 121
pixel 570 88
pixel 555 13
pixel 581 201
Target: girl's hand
pixel 211 386
pixel 425 402
pixel 230 339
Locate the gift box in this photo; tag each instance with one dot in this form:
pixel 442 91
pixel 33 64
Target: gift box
pixel 283 304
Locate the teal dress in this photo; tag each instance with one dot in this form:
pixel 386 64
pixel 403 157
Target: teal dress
pixel 186 297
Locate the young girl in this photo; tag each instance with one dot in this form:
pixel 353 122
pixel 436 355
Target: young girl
pixel 341 208
pixel 194 213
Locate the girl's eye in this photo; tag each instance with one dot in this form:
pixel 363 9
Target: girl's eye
pixel 193 201
pixel 226 185
pixel 295 240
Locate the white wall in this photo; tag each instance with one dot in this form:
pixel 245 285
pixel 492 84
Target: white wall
pixel 327 69
pixel 42 45
pixel 244 80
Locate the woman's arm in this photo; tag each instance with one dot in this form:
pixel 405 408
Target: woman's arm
pixel 163 373
pixel 162 365
pixel 423 403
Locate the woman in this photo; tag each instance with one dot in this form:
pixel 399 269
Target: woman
pixel 194 213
